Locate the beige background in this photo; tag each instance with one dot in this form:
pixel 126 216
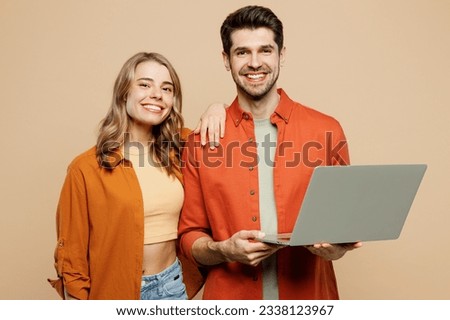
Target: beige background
pixel 381 67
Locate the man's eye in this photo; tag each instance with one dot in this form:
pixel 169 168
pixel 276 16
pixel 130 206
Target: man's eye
pixel 168 89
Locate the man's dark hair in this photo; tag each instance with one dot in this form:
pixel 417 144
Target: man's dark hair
pixel 251 17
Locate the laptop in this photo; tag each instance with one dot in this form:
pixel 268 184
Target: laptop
pixel 346 204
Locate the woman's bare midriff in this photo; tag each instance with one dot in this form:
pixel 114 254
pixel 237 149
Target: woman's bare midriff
pixel 158 256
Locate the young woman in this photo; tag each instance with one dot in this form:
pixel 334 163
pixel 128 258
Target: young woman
pixel 118 211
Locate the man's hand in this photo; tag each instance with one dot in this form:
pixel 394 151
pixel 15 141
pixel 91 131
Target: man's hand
pixel 212 123
pixel 332 251
pixel 241 247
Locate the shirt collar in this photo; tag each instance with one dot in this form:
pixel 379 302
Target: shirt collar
pixel 113 159
pixel 283 110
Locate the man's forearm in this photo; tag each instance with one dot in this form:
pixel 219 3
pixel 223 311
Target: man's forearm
pixel 207 252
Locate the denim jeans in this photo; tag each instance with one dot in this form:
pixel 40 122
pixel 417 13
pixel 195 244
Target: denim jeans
pixel 166 285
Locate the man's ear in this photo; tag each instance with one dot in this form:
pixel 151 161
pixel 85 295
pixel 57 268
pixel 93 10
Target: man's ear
pixel 282 56
pixel 226 61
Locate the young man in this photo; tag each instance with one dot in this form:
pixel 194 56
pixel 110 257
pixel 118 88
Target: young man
pixel 255 181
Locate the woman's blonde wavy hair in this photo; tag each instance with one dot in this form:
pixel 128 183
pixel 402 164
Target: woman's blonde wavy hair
pixel 166 144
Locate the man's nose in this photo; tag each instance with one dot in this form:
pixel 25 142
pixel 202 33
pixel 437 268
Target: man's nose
pixel 255 61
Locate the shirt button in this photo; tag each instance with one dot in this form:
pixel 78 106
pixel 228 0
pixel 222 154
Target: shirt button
pixel 250 168
pixel 254 218
pixel 252 192
pixel 250 140
pixel 246 116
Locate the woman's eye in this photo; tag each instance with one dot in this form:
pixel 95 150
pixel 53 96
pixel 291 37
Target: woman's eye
pixel 168 89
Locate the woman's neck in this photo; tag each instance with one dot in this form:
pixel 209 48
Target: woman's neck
pixel 139 133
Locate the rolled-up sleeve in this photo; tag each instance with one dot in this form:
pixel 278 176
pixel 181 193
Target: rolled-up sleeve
pixel 338 153
pixel 194 222
pixel 72 221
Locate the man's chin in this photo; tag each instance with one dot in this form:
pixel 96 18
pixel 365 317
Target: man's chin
pixel 256 94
